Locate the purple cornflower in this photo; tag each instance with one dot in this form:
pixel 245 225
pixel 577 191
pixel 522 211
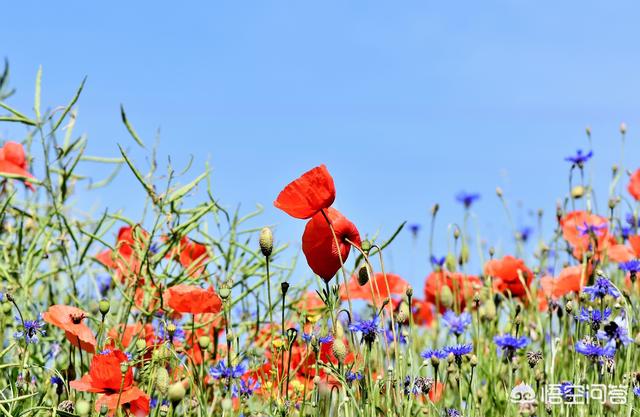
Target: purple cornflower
pixel 414 228
pixel 104 284
pixel 401 337
pixel 457 324
pixel 353 376
pixel 567 390
pixel 594 316
pixel 594 351
pixel 452 412
pixel 368 328
pixel 632 220
pixel 221 370
pixel 244 389
pixel 632 266
pixel 429 353
pixel 435 261
pixel 458 351
pixel 602 288
pixel 595 229
pixel 31 330
pixel 467 199
pixel 510 344
pixel 636 391
pixel 56 380
pixel 322 339
pixel 579 158
pixel 615 331
pixel 524 233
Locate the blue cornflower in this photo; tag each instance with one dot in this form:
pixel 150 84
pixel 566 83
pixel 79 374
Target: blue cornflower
pixel 579 158
pixel 467 199
pixel 567 390
pixel 524 233
pixel 162 334
pixel 457 324
pixel 452 412
pixel 414 228
pixel 56 380
pixel 245 389
pixel 601 288
pixel 632 220
pixel 353 376
pixel 104 283
pixel 221 370
pixel 322 339
pixel 636 391
pixel 593 350
pixel 594 316
pixel 153 403
pixel 632 266
pixel 615 331
pixel 625 232
pixel 368 328
pixel 595 229
pixel 435 261
pixel 458 351
pixel 429 353
pixel 31 330
pixel 2 297
pixel 509 344
pixel 400 337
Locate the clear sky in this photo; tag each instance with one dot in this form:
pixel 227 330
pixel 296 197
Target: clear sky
pixel 407 103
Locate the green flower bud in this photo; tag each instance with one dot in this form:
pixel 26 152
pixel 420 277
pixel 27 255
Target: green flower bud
pixel 176 392
pixel 339 350
pixel 141 344
pixel 204 342
pixel 83 407
pixel 104 307
pixel 162 380
pixel 365 246
pixel 226 404
pixel 266 241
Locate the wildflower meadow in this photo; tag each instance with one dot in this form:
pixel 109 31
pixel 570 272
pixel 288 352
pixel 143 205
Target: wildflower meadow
pixel 188 311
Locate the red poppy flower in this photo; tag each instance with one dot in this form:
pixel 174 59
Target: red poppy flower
pixel 191 255
pixel 579 228
pixel 138 330
pixel 185 298
pixel 462 286
pixel 310 303
pixel 634 185
pixel 307 195
pixel 70 320
pixel 14 162
pixel 396 286
pixel 506 275
pixel 570 279
pixel 319 246
pixel 422 310
pixel 623 253
pixel 125 259
pixel 105 377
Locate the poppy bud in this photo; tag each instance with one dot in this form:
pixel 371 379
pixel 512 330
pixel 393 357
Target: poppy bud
pixel 284 287
pixel 434 209
pixel 403 313
pixel 499 192
pixel 104 410
pixel 176 392
pixel 339 350
pixel 124 367
pixel 492 251
pixel 363 275
pixel 338 333
pixel 141 344
pixel 266 241
pixel 365 246
pixel 577 191
pixel 464 254
pixel 456 233
pixel 588 130
pixel 409 292
pixel 446 297
pixel 162 380
pixel 83 407
pixel 104 307
pixel 614 169
pixel 226 404
pixel 224 293
pixel 450 262
pixel 623 128
pixel 204 342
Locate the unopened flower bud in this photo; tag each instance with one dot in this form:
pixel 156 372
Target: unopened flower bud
pixel 204 342
pixel 339 350
pixel 266 241
pixel 141 344
pixel 104 307
pixel 104 409
pixel 162 380
pixel 446 297
pixel 365 246
pixel 403 313
pixel 124 367
pixel 499 192
pixel 623 128
pixel 224 292
pixel 83 407
pixel 434 209
pixel 226 404
pixel 577 191
pixel 176 392
pixel 363 275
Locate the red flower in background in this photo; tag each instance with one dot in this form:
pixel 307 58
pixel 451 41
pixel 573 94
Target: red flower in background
pixel 70 319
pixel 125 259
pixel 634 185
pixel 396 286
pixel 421 310
pixel 307 195
pixel 319 246
pixel 462 286
pixel 105 377
pixel 191 255
pixel 579 227
pixel 138 330
pixel 185 298
pixel 623 253
pixel 506 275
pixel 571 279
pixel 14 162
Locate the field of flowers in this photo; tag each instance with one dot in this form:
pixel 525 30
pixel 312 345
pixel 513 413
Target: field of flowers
pixel 186 311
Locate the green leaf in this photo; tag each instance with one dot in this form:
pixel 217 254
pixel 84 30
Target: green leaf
pixel 70 105
pixel 36 101
pixel 132 132
pixel 181 192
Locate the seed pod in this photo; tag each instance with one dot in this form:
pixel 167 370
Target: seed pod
pixel 577 191
pixel 339 350
pixel 266 241
pixel 363 275
pixel 162 380
pixel 403 313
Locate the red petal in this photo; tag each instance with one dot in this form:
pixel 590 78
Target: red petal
pixel 307 195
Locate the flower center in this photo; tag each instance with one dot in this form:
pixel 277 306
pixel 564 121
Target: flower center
pixel 77 318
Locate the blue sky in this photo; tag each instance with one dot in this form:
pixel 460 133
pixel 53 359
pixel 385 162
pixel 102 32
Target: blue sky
pixel 407 103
